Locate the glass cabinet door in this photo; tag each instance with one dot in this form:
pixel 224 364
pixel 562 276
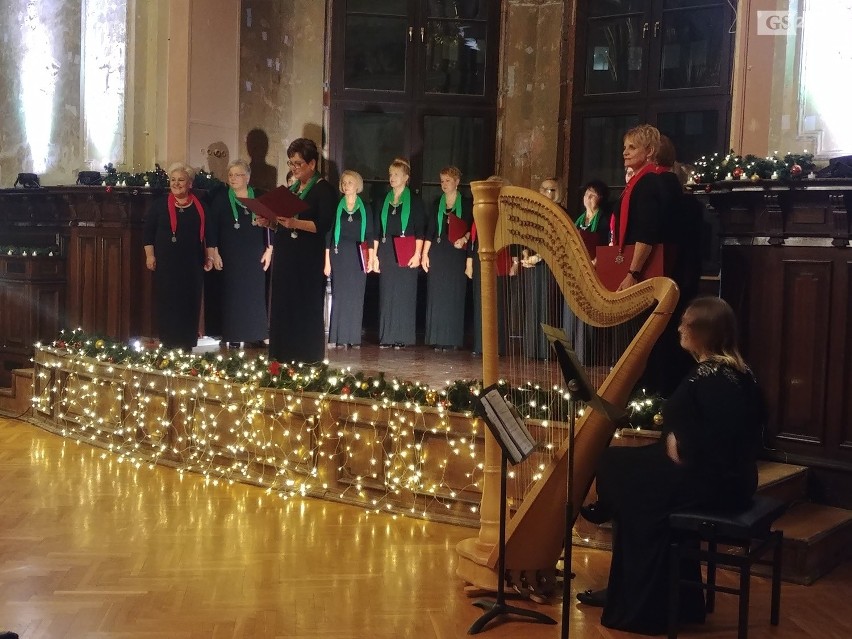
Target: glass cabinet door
pixel 695 132
pixel 376 38
pixel 602 146
pixel 456 46
pixel 693 47
pixel 615 47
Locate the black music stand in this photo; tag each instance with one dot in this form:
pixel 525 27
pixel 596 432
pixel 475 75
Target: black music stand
pixel 580 387
pixel 499 607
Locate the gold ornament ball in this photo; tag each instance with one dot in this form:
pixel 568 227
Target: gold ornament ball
pixel 658 419
pixel 99 344
pixel 364 386
pixel 755 177
pixel 431 397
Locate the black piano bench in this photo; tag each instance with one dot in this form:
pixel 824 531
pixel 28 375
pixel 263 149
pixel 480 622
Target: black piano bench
pixel 749 531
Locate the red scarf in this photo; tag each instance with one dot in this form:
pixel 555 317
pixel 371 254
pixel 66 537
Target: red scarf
pixel 172 204
pixel 625 200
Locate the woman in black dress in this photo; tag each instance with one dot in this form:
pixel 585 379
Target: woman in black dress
pixel 593 224
pixel 542 301
pixel 444 263
pixel 705 458
pixel 345 263
pixel 641 212
pixel 174 238
pixel 296 330
pixel 401 215
pixel 242 251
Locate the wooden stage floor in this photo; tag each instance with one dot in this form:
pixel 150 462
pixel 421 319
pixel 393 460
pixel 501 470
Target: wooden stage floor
pixel 92 548
pixel 425 364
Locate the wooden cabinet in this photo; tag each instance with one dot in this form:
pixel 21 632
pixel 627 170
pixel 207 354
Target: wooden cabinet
pixel 786 268
pixel 98 283
pixel 32 299
pixel 109 289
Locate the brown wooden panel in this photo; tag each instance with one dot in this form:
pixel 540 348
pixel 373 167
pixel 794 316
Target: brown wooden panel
pixel 112 305
pixel 51 310
pixel 18 308
pixel 803 349
pixel 82 268
pixel 842 415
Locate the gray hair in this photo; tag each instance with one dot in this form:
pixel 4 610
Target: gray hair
pixel 240 163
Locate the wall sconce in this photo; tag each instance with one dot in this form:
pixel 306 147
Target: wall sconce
pixel 89 178
pixel 27 181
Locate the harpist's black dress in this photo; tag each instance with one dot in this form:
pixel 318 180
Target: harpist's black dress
pixel 446 281
pixel 397 284
pixel 178 278
pixel 348 280
pixel 716 415
pixel 296 327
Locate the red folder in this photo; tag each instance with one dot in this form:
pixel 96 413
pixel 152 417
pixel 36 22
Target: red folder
pixel 457 228
pixel 280 202
pixel 612 273
pixel 404 246
pixel 503 261
pixel 591 241
pixel 364 254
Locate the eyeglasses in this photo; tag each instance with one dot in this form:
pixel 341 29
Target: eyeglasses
pixel 298 164
pixel 237 175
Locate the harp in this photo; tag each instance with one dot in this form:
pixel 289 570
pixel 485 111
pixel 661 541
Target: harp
pixel 535 532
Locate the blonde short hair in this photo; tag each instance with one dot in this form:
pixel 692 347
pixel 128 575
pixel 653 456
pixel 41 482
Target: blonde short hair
pixel 451 171
pixel 359 181
pixel 644 135
pixel 402 165
pixel 182 167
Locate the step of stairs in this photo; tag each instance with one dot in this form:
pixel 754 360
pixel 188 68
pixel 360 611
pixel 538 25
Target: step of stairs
pixel 816 538
pixel 16 399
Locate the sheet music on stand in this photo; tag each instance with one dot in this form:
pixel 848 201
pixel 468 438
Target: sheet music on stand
pixel 506 424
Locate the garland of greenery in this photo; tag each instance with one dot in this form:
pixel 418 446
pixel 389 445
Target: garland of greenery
pixel 730 166
pixel 531 400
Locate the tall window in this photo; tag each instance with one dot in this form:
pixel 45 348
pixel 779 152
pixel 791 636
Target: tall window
pixel 413 79
pixel 103 71
pixel 666 62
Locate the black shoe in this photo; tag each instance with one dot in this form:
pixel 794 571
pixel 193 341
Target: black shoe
pixel 235 344
pixel 594 598
pixel 399 346
pixel 8 634
pixel 595 513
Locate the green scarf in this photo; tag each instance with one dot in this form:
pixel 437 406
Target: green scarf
pixel 442 206
pixel 295 188
pixel 233 198
pixel 593 225
pixel 359 206
pixel 406 210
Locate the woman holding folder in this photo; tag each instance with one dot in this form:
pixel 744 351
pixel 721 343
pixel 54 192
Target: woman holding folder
pixel 444 255
pixel 349 256
pixel 296 327
pixel 398 251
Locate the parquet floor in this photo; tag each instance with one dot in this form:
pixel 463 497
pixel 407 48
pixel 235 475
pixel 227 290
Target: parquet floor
pixel 90 548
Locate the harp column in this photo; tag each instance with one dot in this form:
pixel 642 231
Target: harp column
pixel 474 552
